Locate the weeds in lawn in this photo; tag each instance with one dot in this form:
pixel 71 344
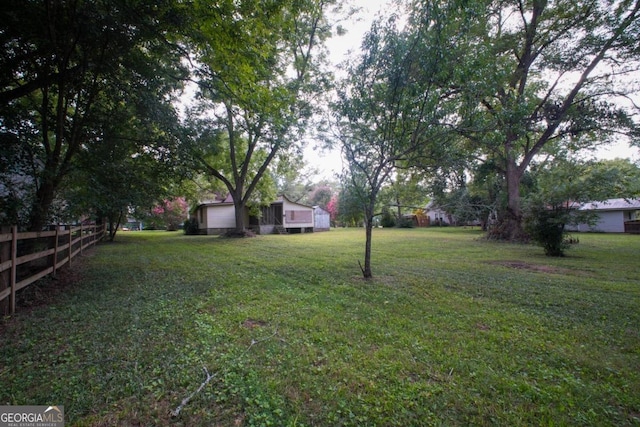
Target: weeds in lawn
pixel 167 329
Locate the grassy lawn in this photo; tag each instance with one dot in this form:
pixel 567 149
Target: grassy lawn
pixel 282 331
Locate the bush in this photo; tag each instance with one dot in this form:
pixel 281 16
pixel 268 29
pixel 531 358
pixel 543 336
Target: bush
pixel 405 223
pixel 387 220
pixel 546 227
pixel 191 227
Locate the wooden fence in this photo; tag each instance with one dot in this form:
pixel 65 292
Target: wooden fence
pixel 28 257
pixel 632 227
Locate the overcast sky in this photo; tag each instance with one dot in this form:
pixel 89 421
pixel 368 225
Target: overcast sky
pixel 329 162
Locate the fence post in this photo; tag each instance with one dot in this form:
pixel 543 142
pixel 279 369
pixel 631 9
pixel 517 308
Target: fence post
pixel 5 276
pixel 70 241
pixel 55 250
pixel 14 259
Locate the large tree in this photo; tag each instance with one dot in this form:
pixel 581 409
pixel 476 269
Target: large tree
pixel 60 60
pixel 534 74
pixel 258 70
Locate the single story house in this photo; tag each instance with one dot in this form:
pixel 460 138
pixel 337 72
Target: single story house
pixel 612 214
pixel 281 216
pixel 437 216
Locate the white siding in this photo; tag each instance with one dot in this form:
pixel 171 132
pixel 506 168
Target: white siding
pixel 322 219
pixel 296 215
pixel 608 222
pixel 221 216
pixel 437 215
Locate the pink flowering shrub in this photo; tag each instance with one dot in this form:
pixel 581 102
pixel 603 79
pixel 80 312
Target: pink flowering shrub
pixel 169 214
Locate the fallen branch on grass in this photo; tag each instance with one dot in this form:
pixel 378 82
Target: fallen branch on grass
pixel 187 399
pixel 255 342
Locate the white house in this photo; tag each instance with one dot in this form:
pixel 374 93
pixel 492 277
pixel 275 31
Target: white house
pixel 281 216
pixel 437 216
pixel 612 214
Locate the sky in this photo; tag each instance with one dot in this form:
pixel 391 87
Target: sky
pixel 329 163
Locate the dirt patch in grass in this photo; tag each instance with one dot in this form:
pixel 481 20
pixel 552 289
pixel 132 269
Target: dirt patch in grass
pixel 538 268
pixel 254 323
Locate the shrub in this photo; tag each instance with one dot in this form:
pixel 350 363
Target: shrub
pixel 405 223
pixel 387 220
pixel 191 227
pixel 546 226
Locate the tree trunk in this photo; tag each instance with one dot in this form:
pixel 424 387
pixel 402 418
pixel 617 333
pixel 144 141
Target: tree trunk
pixel 114 224
pixel 239 208
pixel 41 205
pixel 511 227
pixel 366 270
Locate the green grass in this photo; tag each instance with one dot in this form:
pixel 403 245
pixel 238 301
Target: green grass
pixel 453 331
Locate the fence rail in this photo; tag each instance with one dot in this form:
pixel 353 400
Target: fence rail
pixel 30 256
pixel 632 227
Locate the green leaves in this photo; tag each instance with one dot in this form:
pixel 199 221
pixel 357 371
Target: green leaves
pixel 257 70
pixel 78 73
pixel 529 75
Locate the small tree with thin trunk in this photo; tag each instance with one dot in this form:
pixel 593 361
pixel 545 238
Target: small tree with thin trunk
pixel 386 111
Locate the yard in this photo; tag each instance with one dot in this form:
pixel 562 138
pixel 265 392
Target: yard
pixel 165 329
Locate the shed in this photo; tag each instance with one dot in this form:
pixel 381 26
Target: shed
pixel 612 214
pixel 322 219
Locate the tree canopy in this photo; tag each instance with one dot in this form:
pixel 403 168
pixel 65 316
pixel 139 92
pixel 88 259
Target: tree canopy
pixel 66 68
pixel 469 97
pixel 531 76
pixel 258 70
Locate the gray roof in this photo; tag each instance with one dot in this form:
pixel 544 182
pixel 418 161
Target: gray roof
pixel 612 205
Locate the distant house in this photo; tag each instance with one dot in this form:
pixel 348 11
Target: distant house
pixel 216 217
pixel 281 216
pixel 437 215
pixel 612 214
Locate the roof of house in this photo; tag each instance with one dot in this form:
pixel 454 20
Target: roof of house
pixel 229 201
pixel 612 205
pixel 282 198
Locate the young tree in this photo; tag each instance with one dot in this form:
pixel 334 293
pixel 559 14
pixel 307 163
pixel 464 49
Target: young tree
pixel 257 75
pixel 386 109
